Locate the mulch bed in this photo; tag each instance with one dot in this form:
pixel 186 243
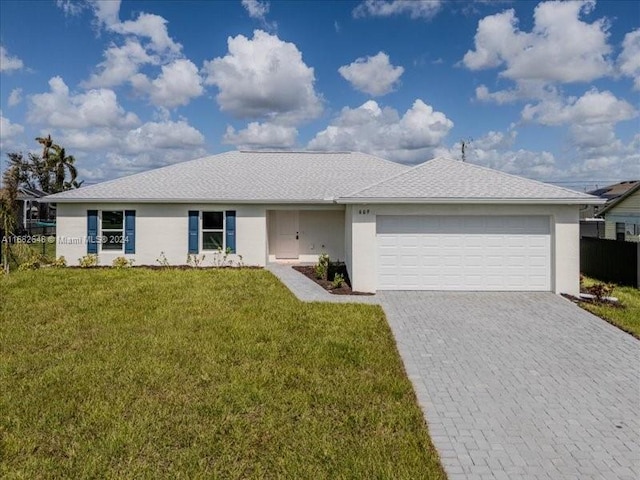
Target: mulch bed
pixel 345 289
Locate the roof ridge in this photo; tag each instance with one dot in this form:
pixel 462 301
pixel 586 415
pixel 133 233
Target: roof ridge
pixel 392 177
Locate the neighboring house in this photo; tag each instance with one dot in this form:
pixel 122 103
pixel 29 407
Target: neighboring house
pixel 441 225
pixel 622 216
pixel 591 224
pixel 32 213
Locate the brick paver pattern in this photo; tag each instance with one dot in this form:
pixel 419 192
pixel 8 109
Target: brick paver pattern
pixel 520 385
pixel 513 385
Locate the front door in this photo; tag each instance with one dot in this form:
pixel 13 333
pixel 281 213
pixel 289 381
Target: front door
pixel 287 234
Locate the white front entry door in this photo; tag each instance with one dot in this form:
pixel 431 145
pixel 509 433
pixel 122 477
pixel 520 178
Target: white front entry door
pixel 286 234
pixel 464 253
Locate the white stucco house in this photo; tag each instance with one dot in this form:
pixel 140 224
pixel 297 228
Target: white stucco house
pixel 441 225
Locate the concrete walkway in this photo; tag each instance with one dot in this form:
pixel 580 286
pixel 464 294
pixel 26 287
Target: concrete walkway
pixel 513 385
pixel 309 291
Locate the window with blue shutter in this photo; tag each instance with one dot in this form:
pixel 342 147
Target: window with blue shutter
pixel 230 234
pixel 193 231
pixel 129 231
pixel 92 231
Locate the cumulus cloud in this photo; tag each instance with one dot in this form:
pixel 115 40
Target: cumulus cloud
pixel 425 9
pixel 8 130
pixel 120 64
pixel 152 27
pixel 560 47
pixel 264 77
pixel 373 75
pixel 629 59
pixel 105 11
pixel 7 62
pixel 261 135
pixel 594 107
pixel 382 131
pixel 58 108
pixel 178 83
pixel 15 97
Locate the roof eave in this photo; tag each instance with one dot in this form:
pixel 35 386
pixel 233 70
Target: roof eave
pixel 187 200
pixel 490 201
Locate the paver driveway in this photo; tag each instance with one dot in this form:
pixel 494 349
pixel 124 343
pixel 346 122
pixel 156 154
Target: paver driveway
pixel 520 385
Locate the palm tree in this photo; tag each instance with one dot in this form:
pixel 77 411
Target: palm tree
pixel 46 143
pixel 60 163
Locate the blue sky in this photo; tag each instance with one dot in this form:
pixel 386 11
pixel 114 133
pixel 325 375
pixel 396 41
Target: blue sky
pixel 548 90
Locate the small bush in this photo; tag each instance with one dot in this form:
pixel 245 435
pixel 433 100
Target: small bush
pixel 195 260
pixel 88 261
pixel 122 262
pixel 321 269
pixel 600 290
pixel 162 260
pixel 26 257
pixel 221 258
pixel 59 262
pixel 338 280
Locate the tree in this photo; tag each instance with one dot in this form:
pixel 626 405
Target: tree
pixel 46 172
pixel 59 163
pixel 8 209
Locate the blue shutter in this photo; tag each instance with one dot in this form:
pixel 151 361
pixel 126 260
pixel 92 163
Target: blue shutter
pixel 130 231
pixel 231 230
pixel 92 231
pixel 193 231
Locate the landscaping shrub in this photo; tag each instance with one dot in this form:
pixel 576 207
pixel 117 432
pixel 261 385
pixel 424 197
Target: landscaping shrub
pixel 88 261
pixel 122 262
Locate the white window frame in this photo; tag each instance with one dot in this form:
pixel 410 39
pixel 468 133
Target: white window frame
pixel 203 230
pixel 111 232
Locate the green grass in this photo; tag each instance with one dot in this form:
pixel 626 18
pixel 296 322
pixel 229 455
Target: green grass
pixel 142 373
pixel 627 318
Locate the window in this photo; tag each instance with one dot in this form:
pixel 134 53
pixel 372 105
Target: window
pixel 213 230
pixel 619 231
pixel 112 230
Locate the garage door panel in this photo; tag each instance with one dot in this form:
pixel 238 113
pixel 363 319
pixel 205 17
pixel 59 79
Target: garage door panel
pixel 464 252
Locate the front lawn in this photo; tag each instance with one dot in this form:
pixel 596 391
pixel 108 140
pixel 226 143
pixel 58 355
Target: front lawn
pixel 140 373
pixel 627 318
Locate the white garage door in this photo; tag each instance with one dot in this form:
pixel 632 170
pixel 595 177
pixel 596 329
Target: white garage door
pixel 463 252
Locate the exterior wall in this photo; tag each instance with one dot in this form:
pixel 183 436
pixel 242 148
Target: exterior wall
pixel 627 211
pixel 565 238
pixel 161 228
pixel 363 251
pixel 321 230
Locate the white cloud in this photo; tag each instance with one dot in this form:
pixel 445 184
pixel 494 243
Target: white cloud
pixel 120 64
pixel 629 59
pixel 593 107
pixel 8 130
pixel 261 135
pixel 15 97
pixel 60 109
pixel 105 11
pixel 559 48
pixel 7 62
pixel 383 132
pixel 426 9
pixel 264 77
pixel 153 27
pixel 373 75
pixel 178 83
pixel 151 145
pixel 256 8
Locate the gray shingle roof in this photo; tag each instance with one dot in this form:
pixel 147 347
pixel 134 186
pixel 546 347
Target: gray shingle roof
pixel 448 179
pixel 245 177
pixel 311 177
